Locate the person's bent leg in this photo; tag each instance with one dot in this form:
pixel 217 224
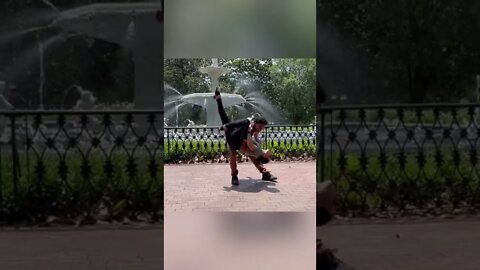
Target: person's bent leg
pixel 260 167
pixel 266 175
pixel 233 162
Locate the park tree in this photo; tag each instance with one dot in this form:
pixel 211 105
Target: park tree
pixel 184 75
pixel 256 71
pixel 293 89
pixel 429 50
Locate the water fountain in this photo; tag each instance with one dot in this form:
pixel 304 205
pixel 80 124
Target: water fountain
pixel 206 101
pixel 134 26
pixel 214 72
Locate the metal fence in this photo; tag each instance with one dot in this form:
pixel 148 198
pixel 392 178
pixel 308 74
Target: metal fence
pixel 208 143
pixel 402 158
pixel 68 162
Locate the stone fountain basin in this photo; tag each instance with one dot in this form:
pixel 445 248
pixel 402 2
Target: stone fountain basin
pixel 206 99
pixel 110 21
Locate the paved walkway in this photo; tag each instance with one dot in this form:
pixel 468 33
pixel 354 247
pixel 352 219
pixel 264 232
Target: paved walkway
pixel 82 249
pixel 207 187
pixel 446 245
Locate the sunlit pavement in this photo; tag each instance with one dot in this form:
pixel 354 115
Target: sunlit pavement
pixel 207 187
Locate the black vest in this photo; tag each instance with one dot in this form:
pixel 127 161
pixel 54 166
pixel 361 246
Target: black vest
pixel 237 132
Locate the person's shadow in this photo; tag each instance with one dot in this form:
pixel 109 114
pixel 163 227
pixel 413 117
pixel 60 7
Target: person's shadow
pixel 253 186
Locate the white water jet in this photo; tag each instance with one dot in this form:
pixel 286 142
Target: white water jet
pixel 253 100
pixel 176 115
pixel 48 3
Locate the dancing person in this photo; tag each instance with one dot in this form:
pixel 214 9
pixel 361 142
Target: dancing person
pixel 243 136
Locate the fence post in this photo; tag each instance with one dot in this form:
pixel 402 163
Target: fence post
pixel 15 165
pixel 322 146
pixel 1 177
pixel 167 132
pixel 266 145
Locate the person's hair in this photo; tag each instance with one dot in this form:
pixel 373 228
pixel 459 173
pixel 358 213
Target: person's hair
pixel 263 159
pixel 260 120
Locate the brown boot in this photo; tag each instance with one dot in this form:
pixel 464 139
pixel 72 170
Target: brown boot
pixel 235 178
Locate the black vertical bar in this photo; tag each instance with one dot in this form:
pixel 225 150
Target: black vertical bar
pixel 321 96
pixel 322 146
pixel 15 164
pixel 27 149
pixel 266 138
pixel 1 176
pixel 167 131
pixel 314 127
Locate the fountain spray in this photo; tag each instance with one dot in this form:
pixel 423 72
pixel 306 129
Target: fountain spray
pixel 52 6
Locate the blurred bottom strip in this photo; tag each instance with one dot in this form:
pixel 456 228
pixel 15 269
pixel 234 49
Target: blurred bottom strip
pixel 229 240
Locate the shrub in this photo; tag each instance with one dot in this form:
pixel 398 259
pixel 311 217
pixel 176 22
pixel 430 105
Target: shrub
pixel 371 185
pixel 183 151
pixel 81 186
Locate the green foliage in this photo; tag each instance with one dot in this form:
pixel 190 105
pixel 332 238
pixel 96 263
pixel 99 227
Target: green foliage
pixel 208 151
pixel 86 188
pixel 184 76
pixel 421 181
pixel 293 89
pixel 254 70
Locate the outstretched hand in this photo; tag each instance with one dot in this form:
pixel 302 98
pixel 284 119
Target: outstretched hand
pixel 217 94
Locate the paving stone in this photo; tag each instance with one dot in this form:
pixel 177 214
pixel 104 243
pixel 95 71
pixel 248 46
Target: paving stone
pixel 202 187
pixel 82 249
pixel 442 245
